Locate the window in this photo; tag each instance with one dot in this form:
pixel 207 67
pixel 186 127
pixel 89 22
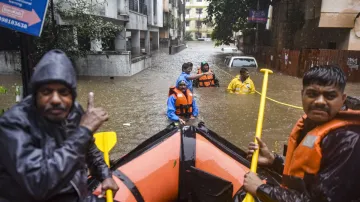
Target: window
pixel 187 11
pixel 154 7
pixel 243 62
pixel 187 23
pixel 198 23
pixel 227 60
pixel 199 11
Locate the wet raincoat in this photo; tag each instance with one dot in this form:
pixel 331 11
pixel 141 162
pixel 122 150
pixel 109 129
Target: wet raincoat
pixel 171 108
pixel 238 87
pixel 44 161
pixel 338 177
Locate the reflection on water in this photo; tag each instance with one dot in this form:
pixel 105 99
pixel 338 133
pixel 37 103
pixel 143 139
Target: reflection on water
pixel 137 104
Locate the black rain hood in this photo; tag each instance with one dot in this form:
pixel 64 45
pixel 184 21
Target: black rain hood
pixel 54 66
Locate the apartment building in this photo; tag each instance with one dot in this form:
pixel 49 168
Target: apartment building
pixel 141 20
pixel 195 14
pixel 322 24
pixel 173 30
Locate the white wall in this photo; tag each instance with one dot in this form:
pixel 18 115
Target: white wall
pixel 111 65
pixel 138 66
pixel 137 21
pixel 111 8
pixel 160 13
pixel 102 65
pixel 158 19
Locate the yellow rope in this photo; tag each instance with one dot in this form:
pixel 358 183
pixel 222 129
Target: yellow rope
pixel 278 102
pixel 282 103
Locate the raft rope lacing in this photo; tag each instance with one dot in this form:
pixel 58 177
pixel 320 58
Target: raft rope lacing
pixel 278 102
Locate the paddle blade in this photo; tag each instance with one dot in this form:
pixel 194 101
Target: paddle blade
pixel 105 141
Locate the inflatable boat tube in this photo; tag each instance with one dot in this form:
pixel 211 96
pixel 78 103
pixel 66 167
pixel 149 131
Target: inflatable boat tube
pixel 182 164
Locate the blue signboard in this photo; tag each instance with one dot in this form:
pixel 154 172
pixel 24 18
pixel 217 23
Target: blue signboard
pixel 25 16
pixel 257 16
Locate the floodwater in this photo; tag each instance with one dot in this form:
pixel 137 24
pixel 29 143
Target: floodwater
pixel 137 104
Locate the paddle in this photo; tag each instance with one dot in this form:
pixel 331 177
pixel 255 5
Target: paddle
pixel 254 160
pixel 105 141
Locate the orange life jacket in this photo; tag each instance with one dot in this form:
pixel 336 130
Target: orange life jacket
pixel 206 80
pixel 305 158
pixel 183 103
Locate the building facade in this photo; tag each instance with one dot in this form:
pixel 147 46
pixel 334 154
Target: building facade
pixel 318 24
pixel 173 30
pixel 195 15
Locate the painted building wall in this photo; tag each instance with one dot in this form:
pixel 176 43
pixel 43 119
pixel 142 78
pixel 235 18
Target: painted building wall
pixel 195 10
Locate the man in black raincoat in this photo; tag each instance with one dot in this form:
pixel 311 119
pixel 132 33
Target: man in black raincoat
pixel 322 158
pixel 46 142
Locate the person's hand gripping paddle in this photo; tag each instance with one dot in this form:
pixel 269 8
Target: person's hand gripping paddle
pixel 105 141
pixel 255 157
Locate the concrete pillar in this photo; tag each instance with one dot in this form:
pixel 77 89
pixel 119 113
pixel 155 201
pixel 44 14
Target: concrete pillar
pixel 135 42
pixel 147 42
pixel 155 40
pixel 96 45
pixel 120 41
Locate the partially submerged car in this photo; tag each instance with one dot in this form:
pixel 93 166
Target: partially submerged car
pixel 241 61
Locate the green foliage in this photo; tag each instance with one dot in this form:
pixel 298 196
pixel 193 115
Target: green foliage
pixel 229 16
pixel 82 27
pixel 3 90
pixel 169 20
pixel 188 36
pixel 179 24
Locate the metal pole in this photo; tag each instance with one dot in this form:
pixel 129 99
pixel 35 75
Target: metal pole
pixel 257 29
pixel 26 64
pixel 53 20
pixel 199 27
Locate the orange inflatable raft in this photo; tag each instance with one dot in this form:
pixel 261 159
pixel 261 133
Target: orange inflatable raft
pixel 182 164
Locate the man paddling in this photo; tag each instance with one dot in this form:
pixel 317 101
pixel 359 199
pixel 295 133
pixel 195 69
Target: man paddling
pixel 46 142
pixel 322 158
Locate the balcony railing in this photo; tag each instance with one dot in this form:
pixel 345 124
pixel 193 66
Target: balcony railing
pixel 135 5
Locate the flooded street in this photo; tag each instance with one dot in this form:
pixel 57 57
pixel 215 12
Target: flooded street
pixel 139 101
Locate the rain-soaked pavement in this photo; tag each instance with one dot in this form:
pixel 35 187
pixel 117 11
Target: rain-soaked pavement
pixel 137 104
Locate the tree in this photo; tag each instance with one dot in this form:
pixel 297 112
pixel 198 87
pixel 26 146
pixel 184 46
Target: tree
pixel 229 16
pixel 188 36
pixel 81 25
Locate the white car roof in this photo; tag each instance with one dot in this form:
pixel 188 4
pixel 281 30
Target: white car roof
pixel 245 57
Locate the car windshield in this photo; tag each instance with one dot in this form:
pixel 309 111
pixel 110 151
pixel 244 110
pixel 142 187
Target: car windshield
pixel 244 62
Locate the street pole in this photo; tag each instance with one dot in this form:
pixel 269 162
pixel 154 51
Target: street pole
pixel 26 64
pixel 199 36
pixel 257 29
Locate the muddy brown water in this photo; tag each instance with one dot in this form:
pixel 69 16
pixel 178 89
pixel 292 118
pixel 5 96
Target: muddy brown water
pixel 137 104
